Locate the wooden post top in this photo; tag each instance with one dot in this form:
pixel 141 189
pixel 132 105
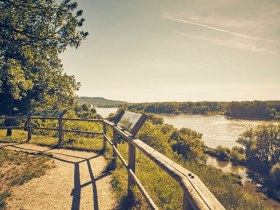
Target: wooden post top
pixel 48 113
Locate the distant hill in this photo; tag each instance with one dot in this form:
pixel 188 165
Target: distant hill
pixel 100 102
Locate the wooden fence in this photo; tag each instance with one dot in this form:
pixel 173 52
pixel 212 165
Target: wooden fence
pixel 196 195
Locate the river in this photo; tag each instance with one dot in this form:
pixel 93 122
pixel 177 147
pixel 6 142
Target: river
pixel 105 112
pixel 216 129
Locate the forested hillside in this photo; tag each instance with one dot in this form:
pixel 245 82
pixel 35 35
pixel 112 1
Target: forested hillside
pixel 254 109
pixel 100 102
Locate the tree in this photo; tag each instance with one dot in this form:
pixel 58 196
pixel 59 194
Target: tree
pixel 32 34
pixel 187 143
pixel 262 146
pixel 223 153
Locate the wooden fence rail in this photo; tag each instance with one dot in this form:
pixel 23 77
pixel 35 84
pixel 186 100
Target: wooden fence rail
pixel 196 195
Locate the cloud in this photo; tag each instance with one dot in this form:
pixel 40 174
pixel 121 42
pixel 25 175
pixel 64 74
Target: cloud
pixel 233 43
pixel 222 30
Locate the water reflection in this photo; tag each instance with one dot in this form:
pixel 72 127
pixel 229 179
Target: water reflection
pixel 242 171
pixel 105 112
pixel 217 129
pixel 247 182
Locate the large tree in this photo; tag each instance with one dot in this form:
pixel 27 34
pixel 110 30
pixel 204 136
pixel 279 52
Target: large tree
pixel 32 34
pixel 262 146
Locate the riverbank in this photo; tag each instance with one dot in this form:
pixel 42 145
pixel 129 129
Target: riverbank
pixel 243 173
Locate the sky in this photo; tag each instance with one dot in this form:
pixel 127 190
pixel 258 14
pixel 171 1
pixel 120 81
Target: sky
pixel 178 50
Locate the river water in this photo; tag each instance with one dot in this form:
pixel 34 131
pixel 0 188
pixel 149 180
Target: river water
pixel 105 112
pixel 216 129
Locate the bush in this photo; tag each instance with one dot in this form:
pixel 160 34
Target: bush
pixel 223 153
pixel 237 155
pixel 262 147
pixel 275 175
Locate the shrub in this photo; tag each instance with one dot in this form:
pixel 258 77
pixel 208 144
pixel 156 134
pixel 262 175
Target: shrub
pixel 275 175
pixel 237 155
pixel 223 153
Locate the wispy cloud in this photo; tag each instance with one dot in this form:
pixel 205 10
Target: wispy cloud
pixel 233 43
pixel 222 30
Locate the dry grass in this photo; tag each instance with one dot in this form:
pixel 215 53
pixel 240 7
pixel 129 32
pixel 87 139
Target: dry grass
pixel 17 168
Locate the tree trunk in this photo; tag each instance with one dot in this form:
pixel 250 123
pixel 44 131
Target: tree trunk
pixel 9 130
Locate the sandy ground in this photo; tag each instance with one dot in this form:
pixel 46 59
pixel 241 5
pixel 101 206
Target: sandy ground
pixel 76 182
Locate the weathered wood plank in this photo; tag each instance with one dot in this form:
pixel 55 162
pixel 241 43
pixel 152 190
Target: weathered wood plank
pixel 82 132
pixel 29 130
pixel 12 127
pixel 104 135
pixel 134 177
pixel 13 117
pixel 84 120
pixel 131 165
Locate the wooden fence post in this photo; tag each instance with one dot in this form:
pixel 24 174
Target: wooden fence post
pixel 29 129
pixel 131 165
pixel 186 202
pixel 60 132
pixel 115 143
pixel 104 138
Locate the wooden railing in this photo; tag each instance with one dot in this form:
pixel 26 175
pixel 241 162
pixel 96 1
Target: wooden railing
pixel 196 195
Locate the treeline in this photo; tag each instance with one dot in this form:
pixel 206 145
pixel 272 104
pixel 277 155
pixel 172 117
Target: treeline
pixel 180 107
pixel 243 109
pixel 254 109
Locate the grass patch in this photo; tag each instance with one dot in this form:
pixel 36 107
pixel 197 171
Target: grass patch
pixel 17 168
pixel 91 143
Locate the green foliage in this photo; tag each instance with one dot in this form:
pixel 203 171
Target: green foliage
pixel 237 155
pixel 179 107
pixel 254 109
pixel 32 34
pixel 155 119
pixel 100 102
pixel 84 111
pixel 223 153
pixel 245 109
pixel 152 135
pixel 275 175
pixel 262 146
pixel 187 143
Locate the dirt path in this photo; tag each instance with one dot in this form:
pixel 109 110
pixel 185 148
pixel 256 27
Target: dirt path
pixel 76 182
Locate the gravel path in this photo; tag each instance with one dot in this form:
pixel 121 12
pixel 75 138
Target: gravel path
pixel 76 182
